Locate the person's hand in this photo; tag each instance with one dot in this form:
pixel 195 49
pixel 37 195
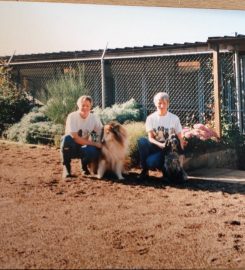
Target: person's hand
pixel 162 145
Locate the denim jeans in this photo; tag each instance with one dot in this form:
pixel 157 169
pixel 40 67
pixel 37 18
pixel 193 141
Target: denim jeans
pixel 70 150
pixel 151 156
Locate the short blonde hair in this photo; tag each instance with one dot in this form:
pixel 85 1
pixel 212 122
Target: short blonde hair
pixel 160 95
pixel 82 98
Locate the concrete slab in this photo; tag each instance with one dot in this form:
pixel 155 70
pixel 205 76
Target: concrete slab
pixel 218 174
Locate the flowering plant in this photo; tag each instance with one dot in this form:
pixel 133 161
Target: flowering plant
pixel 201 138
pixel 200 131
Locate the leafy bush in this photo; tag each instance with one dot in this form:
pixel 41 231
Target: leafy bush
pixel 197 146
pixel 13 101
pixel 63 93
pixel 128 111
pixel 34 128
pixel 232 137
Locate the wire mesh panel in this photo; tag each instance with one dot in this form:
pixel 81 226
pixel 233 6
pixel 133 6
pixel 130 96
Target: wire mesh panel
pixel 242 64
pixel 35 77
pixel 187 79
pixel 228 87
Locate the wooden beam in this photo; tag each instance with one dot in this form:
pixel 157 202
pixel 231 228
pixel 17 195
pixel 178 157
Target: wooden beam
pixel 217 89
pixel 201 4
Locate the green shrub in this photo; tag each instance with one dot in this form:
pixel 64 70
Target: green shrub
pixel 34 128
pixel 128 111
pixel 13 101
pixel 197 146
pixel 232 137
pixel 63 93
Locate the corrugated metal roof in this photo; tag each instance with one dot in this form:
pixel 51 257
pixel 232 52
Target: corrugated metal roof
pixel 227 38
pixel 98 53
pixel 122 51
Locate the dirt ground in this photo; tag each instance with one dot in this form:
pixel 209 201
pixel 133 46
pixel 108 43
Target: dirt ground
pixel 47 222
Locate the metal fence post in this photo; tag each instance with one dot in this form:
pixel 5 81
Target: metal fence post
pixel 103 84
pixel 238 91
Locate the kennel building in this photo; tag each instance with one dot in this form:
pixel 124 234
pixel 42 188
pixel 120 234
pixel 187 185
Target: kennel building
pixel 202 78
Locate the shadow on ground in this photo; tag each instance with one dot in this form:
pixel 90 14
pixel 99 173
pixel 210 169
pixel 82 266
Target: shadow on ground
pixel 192 184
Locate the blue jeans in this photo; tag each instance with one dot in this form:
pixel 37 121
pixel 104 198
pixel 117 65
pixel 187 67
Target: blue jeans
pixel 151 156
pixel 70 149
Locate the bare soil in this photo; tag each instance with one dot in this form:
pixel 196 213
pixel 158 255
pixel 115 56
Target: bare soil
pixel 47 222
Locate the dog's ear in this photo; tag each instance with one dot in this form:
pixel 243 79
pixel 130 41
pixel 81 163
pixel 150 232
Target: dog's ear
pixel 102 134
pixel 179 149
pixel 167 145
pixel 115 128
pixel 116 131
pixel 166 134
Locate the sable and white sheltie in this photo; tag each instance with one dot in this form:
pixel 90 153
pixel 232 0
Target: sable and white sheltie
pixel 114 150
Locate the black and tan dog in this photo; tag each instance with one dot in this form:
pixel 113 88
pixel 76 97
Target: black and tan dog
pixel 173 169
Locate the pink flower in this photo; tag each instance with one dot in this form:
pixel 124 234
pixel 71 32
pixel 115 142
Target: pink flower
pixel 201 131
pixel 186 129
pixel 199 126
pixel 188 134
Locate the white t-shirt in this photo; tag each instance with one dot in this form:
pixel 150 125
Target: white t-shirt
pixel 75 122
pixel 163 125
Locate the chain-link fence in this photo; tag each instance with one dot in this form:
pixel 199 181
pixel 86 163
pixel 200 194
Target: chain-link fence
pixel 34 77
pixel 232 96
pixel 187 78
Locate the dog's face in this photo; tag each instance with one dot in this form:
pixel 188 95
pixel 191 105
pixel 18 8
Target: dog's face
pixel 172 143
pixel 114 131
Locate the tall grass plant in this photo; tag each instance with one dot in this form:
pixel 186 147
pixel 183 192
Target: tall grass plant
pixel 63 92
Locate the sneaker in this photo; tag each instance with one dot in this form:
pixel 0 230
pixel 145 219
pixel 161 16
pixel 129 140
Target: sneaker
pixel 143 175
pixel 85 170
pixel 185 176
pixel 66 172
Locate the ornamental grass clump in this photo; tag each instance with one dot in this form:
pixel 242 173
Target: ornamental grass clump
pixel 63 93
pixel 135 131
